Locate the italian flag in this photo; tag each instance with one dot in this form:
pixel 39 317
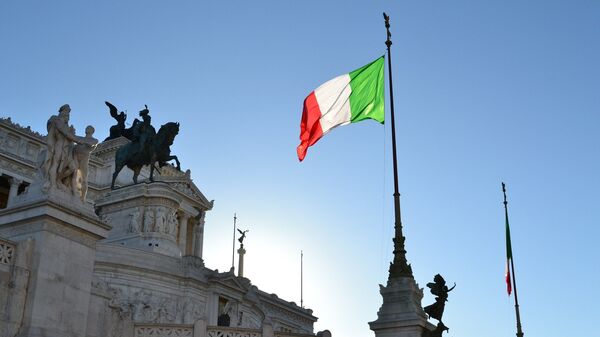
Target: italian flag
pixel 346 99
pixel 508 258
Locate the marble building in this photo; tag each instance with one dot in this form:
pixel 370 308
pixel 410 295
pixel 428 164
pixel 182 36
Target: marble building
pixel 122 262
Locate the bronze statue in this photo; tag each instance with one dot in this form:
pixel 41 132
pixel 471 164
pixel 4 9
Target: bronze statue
pixel 146 148
pixel 241 239
pixel 119 130
pixel 438 288
pixel 436 310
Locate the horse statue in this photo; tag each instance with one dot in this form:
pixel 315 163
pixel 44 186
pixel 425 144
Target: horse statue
pixel 147 149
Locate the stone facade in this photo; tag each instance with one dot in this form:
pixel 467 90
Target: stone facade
pixel 124 262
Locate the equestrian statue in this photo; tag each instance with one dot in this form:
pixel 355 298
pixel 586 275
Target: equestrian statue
pixel 147 147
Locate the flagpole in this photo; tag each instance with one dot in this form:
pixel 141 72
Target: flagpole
pixel 399 267
pixel 301 279
pixel 233 244
pixel 512 267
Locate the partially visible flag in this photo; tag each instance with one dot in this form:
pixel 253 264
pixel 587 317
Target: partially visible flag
pixel 346 99
pixel 508 258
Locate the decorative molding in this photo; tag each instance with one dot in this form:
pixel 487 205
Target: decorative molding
pixel 7 252
pixel 219 331
pixel 163 331
pixel 276 311
pixel 24 129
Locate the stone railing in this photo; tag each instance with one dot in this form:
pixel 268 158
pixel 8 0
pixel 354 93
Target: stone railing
pixel 292 334
pixel 220 331
pixel 163 330
pixel 7 252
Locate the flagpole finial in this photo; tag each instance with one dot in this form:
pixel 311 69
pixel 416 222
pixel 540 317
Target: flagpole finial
pixel 504 191
pixel 386 17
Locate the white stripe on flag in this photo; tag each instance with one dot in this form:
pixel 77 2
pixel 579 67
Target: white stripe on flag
pixel 333 97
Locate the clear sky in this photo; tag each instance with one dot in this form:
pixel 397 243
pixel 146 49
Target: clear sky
pixel 485 91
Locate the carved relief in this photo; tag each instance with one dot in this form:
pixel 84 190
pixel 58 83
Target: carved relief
pixel 135 224
pixel 160 221
pixel 148 219
pixel 144 306
pixel 249 320
pixel 274 311
pixel 11 143
pixel 7 251
pixel 172 224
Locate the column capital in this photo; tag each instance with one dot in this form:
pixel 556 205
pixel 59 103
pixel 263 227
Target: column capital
pixel 15 181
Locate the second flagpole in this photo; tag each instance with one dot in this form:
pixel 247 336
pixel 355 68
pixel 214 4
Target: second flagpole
pixel 399 267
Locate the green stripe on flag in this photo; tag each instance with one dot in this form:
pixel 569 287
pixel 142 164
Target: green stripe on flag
pixel 508 245
pixel 367 99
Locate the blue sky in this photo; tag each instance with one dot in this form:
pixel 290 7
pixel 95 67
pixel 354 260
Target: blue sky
pixel 484 91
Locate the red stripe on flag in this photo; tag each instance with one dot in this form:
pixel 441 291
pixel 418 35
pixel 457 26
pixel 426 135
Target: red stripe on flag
pixel 310 127
pixel 508 282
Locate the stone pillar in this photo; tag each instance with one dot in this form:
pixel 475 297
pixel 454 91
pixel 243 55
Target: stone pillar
pixel 267 328
pixel 64 231
pixel 200 328
pixel 241 252
pixel 183 221
pixel 14 189
pixel 401 314
pixel 199 237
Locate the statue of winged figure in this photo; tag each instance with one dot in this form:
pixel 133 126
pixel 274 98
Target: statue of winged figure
pixel 119 130
pixel 241 239
pixel 438 288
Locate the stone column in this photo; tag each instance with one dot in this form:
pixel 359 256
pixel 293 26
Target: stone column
pixel 199 239
pixel 267 328
pixel 183 221
pixel 241 252
pixel 14 189
pixel 200 328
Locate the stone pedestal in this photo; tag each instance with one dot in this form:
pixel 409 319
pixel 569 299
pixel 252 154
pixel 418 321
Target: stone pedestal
pixel 401 314
pixel 147 216
pixel 241 253
pixel 64 231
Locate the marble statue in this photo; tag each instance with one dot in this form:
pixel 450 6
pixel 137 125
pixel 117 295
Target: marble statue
pixel 67 155
pixel 81 155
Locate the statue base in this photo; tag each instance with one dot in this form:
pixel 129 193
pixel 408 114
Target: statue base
pixel 401 314
pixel 63 232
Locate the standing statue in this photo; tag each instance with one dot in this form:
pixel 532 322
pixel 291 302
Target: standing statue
pixel 438 288
pixel 67 155
pixel 60 135
pixel 119 130
pixel 147 147
pixel 81 154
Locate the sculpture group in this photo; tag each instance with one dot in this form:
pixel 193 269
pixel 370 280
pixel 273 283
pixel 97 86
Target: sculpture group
pixel 147 147
pixel 65 166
